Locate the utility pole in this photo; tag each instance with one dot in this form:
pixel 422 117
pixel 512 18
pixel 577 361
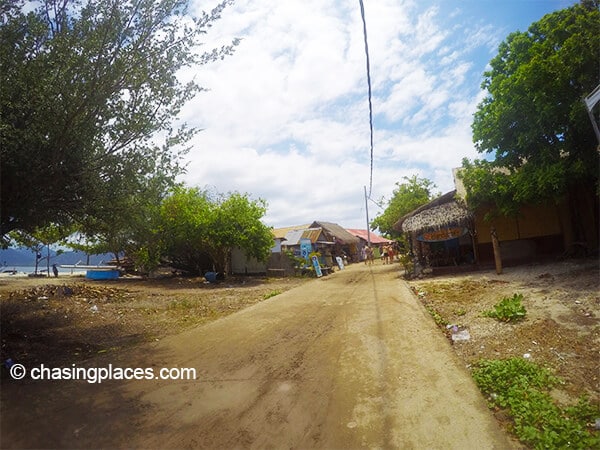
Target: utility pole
pixel 367 211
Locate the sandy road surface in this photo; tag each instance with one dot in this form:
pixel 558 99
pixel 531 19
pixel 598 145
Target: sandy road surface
pixel 347 361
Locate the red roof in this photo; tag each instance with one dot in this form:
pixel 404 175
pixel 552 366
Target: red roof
pixel 362 234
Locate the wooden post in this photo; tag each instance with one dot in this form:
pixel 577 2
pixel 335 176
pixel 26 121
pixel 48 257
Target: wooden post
pixel 496 246
pixel 473 234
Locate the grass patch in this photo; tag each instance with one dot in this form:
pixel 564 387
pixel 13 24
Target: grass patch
pixel 271 294
pixel 437 317
pixel 522 389
pixel 460 312
pixel 509 309
pixel 181 305
pixel 439 320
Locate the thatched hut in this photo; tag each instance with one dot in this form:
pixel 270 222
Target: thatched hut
pixel 441 232
pixel 344 243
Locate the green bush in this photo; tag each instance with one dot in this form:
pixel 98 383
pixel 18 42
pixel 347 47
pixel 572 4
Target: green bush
pixel 297 261
pixel 498 377
pixel 522 389
pixel 407 262
pixel 509 309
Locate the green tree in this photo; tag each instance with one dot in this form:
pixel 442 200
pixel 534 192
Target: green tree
pixel 533 121
pixel 487 185
pixel 407 197
pixel 185 219
pixel 131 224
pixel 237 223
pixel 38 239
pixel 86 89
pixel 196 225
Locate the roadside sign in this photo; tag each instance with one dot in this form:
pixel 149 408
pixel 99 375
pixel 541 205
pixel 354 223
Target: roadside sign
pixel 305 248
pixel 317 266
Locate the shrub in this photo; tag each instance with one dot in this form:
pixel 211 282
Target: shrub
pixel 407 262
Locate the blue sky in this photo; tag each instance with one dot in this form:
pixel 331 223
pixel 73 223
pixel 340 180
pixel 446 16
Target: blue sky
pixel 286 117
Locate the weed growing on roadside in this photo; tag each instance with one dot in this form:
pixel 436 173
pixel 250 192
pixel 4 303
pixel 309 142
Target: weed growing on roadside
pixel 509 309
pixel 439 320
pixel 522 388
pixel 271 294
pixel 181 304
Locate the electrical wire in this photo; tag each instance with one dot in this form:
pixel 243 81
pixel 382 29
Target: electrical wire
pixel 362 14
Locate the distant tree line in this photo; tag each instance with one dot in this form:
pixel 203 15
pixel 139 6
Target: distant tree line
pixel 190 230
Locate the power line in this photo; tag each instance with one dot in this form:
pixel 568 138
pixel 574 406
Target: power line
pixel 376 204
pixel 362 14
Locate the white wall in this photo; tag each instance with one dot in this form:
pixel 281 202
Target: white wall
pixel 242 265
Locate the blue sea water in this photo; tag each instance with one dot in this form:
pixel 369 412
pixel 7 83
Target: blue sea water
pixel 20 270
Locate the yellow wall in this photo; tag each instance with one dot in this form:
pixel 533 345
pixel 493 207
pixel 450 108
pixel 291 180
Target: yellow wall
pixel 539 220
pixel 536 220
pixel 506 228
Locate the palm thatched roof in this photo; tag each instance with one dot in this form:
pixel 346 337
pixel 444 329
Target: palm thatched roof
pixel 443 212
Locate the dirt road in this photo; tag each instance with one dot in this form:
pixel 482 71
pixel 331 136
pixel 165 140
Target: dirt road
pixel 347 361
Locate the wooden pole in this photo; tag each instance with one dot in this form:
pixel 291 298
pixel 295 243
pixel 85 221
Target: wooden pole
pixel 474 246
pixel 367 211
pixel 473 234
pixel 496 246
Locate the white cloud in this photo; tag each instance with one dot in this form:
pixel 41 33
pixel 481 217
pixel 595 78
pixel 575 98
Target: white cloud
pixel 286 117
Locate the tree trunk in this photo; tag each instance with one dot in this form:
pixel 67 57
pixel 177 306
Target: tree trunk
pixel 496 246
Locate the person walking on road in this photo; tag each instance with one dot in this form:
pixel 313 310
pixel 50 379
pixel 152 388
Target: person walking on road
pixel 391 253
pixel 369 253
pixel 384 254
